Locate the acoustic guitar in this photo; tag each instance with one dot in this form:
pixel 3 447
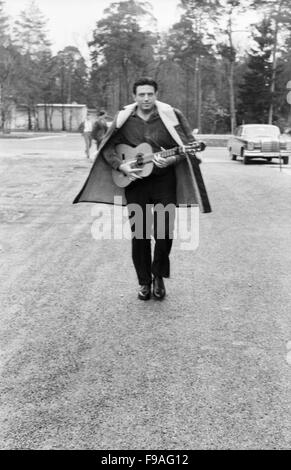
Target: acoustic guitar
pixel 141 157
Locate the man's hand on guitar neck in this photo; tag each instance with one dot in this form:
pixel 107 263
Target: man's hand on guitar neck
pixel 162 162
pixel 129 171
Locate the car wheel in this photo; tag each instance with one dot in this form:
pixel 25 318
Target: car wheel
pixel 245 159
pixel 285 160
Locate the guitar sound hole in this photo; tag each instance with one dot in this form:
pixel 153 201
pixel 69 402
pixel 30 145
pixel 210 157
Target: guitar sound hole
pixel 139 159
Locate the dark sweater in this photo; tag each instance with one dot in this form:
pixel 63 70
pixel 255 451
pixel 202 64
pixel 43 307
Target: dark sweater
pixel 136 131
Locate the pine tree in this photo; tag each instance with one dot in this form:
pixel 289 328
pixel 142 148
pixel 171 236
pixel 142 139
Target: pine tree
pixel 282 105
pixel 121 49
pixel 7 63
pixel 30 38
pixel 199 18
pixel 4 27
pixel 189 51
pixel 279 13
pixel 30 35
pixel 231 11
pixel 255 91
pixel 70 75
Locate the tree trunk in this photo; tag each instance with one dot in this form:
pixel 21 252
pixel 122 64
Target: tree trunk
pixel 69 96
pixel 232 98
pixel 125 74
pixel 45 117
pixel 231 76
pixel 199 95
pixel 274 65
pixel 119 90
pixel 63 119
pixel 51 118
pixel 187 95
pixel 29 118
pixel 195 90
pixel 116 91
pixel 71 118
pixel 1 108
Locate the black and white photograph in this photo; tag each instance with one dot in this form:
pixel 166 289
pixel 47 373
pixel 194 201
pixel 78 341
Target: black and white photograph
pixel 145 228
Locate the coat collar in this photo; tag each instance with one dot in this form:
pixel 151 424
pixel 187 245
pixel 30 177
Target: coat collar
pixel 167 115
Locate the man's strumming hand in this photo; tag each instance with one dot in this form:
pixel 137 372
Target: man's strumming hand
pixel 129 171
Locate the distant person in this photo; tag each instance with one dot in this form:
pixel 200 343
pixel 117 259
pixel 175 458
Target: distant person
pixel 99 128
pixel 86 129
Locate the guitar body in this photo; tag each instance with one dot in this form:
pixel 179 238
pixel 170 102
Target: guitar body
pixel 128 153
pixel 142 157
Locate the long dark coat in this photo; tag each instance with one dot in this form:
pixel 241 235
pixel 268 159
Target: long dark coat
pixel 190 189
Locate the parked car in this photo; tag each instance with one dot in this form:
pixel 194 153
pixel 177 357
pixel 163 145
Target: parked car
pixel 259 141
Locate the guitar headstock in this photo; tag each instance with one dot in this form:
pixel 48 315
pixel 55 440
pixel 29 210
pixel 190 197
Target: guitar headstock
pixel 194 146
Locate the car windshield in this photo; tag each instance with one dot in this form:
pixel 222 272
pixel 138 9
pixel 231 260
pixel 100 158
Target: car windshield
pixel 262 131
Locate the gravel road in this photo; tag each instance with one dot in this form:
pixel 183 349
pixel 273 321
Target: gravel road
pixel 86 365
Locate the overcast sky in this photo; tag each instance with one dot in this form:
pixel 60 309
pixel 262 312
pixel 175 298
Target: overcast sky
pixel 70 22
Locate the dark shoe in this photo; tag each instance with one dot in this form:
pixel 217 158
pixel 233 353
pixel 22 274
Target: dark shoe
pixel 144 292
pixel 159 290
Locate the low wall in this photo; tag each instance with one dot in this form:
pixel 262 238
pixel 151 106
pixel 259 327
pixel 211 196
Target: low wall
pixel 60 117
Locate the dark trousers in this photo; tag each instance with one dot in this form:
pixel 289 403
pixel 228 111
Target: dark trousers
pixel 88 142
pixel 151 206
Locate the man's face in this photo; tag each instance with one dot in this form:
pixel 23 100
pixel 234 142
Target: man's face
pixel 145 97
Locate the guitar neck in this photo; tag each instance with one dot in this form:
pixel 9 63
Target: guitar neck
pixel 163 153
pixel 167 153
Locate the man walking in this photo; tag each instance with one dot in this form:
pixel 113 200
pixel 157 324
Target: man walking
pixel 171 182
pixel 86 130
pixel 99 128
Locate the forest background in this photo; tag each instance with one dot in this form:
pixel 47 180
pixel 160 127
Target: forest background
pixel 200 69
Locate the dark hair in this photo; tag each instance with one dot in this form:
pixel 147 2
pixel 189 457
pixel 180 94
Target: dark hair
pixel 145 81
